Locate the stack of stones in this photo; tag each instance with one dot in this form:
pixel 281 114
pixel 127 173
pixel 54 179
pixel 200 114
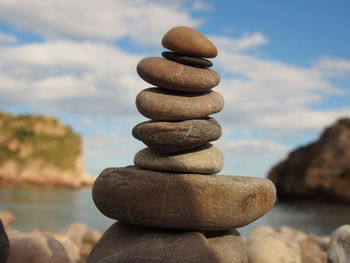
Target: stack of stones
pixel 170 206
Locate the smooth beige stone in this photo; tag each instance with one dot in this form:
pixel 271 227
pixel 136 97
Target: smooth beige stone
pixel 339 246
pixel 206 159
pixel 273 249
pixel 168 74
pixel 188 41
pixel 177 136
pixel 185 201
pixel 129 244
pixel 165 105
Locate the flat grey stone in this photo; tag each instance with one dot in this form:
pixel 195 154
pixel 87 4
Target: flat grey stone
pixel 206 159
pixel 184 201
pixel 171 137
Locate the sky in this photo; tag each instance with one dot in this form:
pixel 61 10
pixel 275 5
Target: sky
pixel 284 65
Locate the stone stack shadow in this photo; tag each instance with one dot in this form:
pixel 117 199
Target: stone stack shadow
pixel 171 206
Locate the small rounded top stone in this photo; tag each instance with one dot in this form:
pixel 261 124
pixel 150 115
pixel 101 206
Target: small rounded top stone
pixel 188 41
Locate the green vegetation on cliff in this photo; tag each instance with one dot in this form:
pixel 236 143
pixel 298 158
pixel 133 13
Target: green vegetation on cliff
pixel 35 137
pixel 345 121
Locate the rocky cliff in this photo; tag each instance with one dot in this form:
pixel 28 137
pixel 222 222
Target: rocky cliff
pixel 320 170
pixel 39 151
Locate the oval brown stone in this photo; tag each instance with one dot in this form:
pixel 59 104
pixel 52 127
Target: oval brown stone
pixel 188 41
pixel 165 105
pixel 168 74
pixel 130 243
pixel 185 201
pixel 170 137
pixel 206 159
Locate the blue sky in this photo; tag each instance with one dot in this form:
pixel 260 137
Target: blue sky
pixel 285 68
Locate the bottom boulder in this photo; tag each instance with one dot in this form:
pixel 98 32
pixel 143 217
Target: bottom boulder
pixel 128 243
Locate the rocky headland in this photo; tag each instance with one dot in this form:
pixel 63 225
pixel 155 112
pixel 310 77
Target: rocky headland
pixel 39 151
pixel 318 171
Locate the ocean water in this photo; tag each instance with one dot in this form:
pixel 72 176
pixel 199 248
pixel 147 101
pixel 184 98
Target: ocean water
pixel 56 208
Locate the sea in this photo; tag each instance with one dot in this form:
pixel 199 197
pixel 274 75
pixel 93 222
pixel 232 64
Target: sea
pixel 56 208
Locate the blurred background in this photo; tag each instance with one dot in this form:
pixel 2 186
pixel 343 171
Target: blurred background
pixel 285 68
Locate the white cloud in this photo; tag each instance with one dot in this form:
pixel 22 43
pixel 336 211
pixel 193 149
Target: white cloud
pixel 105 20
pixel 274 96
pixel 7 38
pixel 248 148
pixel 201 6
pixel 333 67
pixel 71 77
pixel 247 42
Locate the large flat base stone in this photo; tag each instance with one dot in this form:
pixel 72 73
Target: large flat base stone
pixel 125 243
pixel 186 201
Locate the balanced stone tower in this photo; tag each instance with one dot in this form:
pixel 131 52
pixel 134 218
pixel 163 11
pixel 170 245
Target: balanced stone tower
pixel 170 206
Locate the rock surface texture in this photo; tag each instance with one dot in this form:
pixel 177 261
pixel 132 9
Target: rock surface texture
pixel 268 245
pixel 187 41
pixel 339 246
pixel 206 159
pixel 37 248
pixel 69 245
pixel 129 244
pixel 171 206
pixel 170 137
pixel 163 105
pixel 188 201
pixel 320 170
pixel 168 74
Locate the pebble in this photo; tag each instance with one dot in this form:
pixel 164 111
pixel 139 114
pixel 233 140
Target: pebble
pixel 339 246
pixel 37 248
pixel 186 60
pixel 268 245
pixel 165 105
pixel 170 137
pixel 188 41
pixel 185 201
pixel 273 249
pixel 168 74
pixel 206 159
pixel 129 244
pixel 76 232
